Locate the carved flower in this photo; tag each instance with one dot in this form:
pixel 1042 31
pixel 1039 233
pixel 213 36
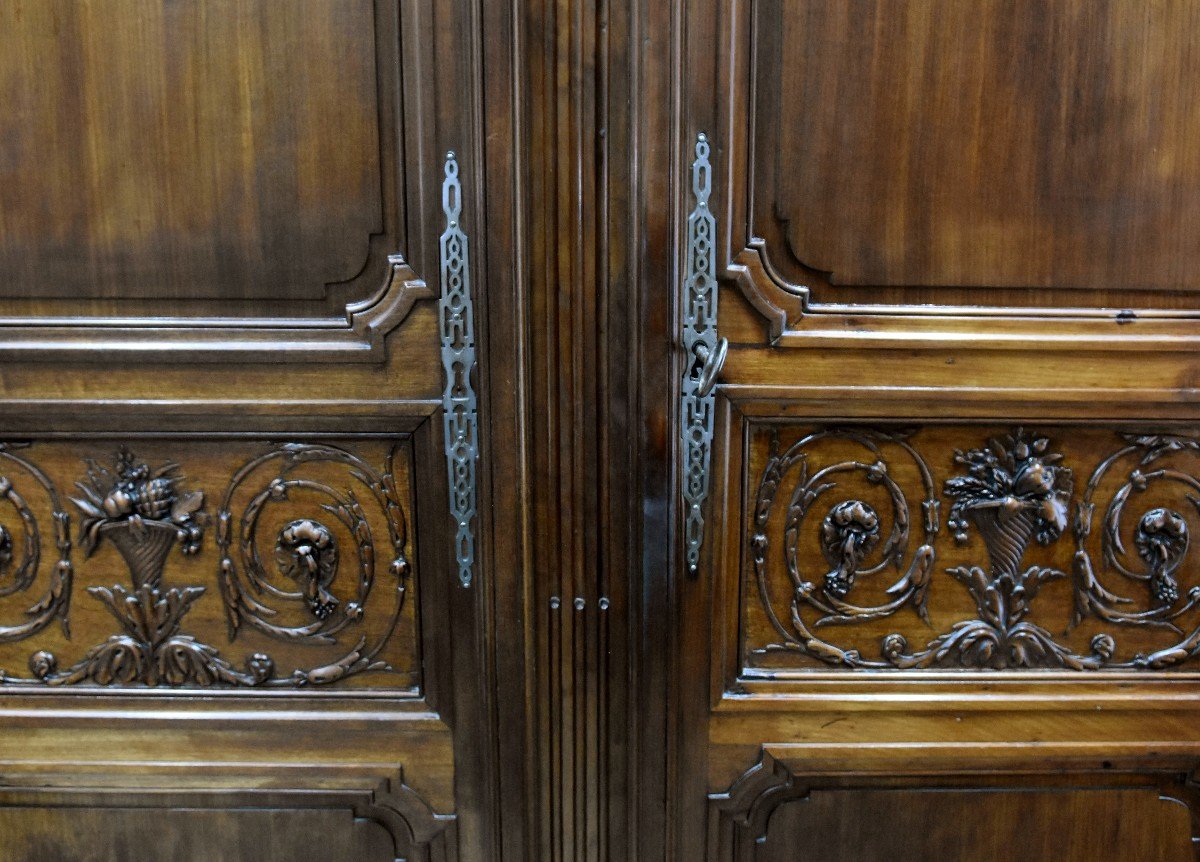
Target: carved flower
pixel 1161 537
pixel 6 548
pixel 848 533
pixel 307 552
pixel 1162 540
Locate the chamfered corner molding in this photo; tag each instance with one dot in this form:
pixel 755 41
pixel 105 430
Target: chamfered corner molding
pixel 705 353
pixel 460 407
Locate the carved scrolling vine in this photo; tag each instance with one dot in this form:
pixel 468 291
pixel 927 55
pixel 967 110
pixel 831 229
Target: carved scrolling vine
pixel 307 554
pixel 55 602
pixel 144 512
pixel 1011 494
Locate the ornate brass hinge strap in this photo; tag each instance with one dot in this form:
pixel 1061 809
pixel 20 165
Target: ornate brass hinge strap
pixel 705 353
pixel 460 413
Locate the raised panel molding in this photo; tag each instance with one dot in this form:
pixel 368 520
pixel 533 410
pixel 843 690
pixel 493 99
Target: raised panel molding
pixel 742 817
pixel 356 336
pixel 416 832
pixel 202 164
pixel 761 158
pixel 221 283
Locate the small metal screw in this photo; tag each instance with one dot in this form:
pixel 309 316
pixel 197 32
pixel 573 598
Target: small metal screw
pixel 555 602
pixel 579 603
pixel 604 603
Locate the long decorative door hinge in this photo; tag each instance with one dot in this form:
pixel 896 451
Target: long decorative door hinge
pixel 460 409
pixel 704 353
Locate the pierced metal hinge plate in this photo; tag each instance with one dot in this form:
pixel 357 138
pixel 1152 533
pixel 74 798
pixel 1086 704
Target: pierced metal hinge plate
pixel 460 407
pixel 704 353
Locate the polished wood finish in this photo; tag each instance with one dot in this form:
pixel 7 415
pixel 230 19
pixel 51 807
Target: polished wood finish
pixel 1033 822
pixel 188 153
pixel 220 241
pixel 909 249
pixel 938 225
pixel 36 831
pixel 906 152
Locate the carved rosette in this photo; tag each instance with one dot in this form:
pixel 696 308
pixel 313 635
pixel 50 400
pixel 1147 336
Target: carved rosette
pixel 317 591
pixel 827 496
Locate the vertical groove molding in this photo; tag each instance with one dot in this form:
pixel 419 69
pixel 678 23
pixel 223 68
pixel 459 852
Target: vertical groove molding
pixel 705 353
pixel 460 407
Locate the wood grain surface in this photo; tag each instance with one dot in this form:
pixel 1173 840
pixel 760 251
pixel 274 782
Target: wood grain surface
pixel 186 151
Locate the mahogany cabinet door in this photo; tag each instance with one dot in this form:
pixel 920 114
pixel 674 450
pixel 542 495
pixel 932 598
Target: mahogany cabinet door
pixel 945 603
pixel 244 579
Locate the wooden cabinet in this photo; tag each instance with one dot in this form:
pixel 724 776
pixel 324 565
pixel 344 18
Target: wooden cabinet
pixel 232 619
pixel 563 430
pixel 945 607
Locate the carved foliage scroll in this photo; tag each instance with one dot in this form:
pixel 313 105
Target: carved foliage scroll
pixel 312 552
pixel 1036 572
pixel 306 554
pixel 852 532
pixel 23 549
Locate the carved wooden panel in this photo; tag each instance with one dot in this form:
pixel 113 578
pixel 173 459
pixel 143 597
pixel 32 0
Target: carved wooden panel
pixel 226 542
pixel 970 547
pixel 990 154
pixel 199 563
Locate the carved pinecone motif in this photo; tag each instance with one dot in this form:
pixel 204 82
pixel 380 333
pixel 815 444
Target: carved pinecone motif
pixel 155 498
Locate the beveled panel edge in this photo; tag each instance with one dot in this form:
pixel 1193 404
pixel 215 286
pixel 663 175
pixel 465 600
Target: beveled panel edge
pixel 740 815
pixel 794 318
pixel 353 328
pixel 413 825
